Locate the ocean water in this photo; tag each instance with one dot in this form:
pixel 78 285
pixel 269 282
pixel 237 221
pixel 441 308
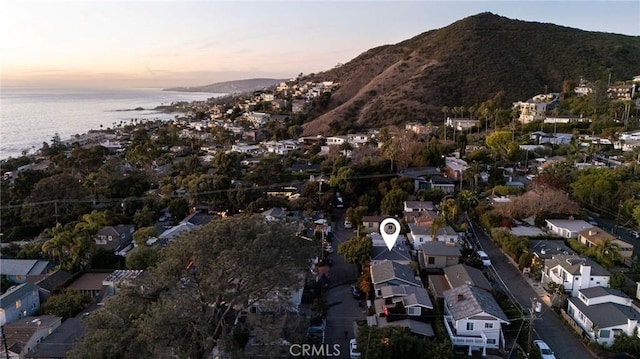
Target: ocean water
pixel 29 117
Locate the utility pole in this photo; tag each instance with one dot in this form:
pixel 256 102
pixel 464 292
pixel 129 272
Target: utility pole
pixel 4 341
pixel 535 308
pixel 615 229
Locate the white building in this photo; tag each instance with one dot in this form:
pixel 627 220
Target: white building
pixel 603 314
pixel 574 273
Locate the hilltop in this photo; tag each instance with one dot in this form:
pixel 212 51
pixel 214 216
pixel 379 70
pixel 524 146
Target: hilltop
pixel 230 87
pixel 466 63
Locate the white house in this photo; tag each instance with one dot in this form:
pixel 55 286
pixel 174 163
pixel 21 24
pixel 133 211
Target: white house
pixel 418 206
pixel 574 273
pixel 336 140
pixel 473 319
pixel 567 228
pixel 461 124
pixel 603 313
pixel 421 234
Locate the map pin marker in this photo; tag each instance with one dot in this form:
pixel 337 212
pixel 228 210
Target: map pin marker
pixel 390 229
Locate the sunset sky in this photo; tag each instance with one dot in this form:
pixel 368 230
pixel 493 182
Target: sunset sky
pixel 186 43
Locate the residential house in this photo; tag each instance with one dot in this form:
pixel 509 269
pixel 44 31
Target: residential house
pixel 398 302
pixel 18 270
pixel 567 228
pixel 22 336
pixel 274 213
pixel 455 276
pixel 380 252
pixel 438 255
pixel 461 124
pixel 423 219
pixel 51 281
pixel 280 299
pixel 90 284
pixel 603 313
pixel 418 206
pixel 593 236
pixel 473 319
pixel 388 273
pixel 170 233
pixel 422 234
pixel 420 128
pixel 444 184
pixel 117 279
pixel 358 139
pixel 115 238
pixel 573 273
pixel 336 140
pixel 622 92
pixel 421 176
pixel 371 224
pixel 18 302
pixel 455 167
pixel 535 109
pixel 246 149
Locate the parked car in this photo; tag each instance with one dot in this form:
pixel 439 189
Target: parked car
pixel 636 234
pixel 545 351
pixel 356 292
pixel 328 248
pixel 348 225
pixel 353 349
pixel 484 258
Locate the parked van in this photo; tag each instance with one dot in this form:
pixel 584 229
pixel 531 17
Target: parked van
pixel 484 258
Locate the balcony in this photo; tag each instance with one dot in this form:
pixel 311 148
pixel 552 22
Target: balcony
pixel 478 341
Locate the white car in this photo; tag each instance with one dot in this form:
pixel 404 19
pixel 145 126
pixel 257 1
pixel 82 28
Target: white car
pixel 484 258
pixel 353 349
pixel 348 225
pixel 328 248
pixel 545 351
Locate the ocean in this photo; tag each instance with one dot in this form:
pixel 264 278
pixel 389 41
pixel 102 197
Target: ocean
pixel 29 116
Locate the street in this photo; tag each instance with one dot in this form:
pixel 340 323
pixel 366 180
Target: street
pixel 343 308
pixel 548 325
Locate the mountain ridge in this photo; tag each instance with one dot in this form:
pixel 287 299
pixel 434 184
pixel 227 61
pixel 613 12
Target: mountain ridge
pixel 466 63
pixel 230 87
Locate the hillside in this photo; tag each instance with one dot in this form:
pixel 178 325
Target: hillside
pixel 230 87
pixel 466 63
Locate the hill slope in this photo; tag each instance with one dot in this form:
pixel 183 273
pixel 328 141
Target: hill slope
pixel 230 87
pixel 466 63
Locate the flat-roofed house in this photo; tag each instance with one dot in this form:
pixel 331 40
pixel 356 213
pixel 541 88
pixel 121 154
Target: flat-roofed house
pixel 567 228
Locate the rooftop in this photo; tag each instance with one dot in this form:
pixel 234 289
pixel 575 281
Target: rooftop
pixel 466 301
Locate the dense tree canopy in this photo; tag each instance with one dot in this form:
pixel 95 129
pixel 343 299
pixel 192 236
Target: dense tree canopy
pixel 186 304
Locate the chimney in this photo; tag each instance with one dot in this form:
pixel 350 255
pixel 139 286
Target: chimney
pixel 593 232
pixel 460 297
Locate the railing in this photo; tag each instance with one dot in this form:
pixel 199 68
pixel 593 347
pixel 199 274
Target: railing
pixel 478 341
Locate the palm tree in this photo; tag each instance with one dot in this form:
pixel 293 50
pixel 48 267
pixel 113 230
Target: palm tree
pixel 606 252
pixel 445 112
pixel 91 222
pixel 58 245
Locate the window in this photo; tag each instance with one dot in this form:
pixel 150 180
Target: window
pixel 18 304
pixel 605 334
pixel 413 311
pixel 488 325
pixel 431 260
pixel 491 341
pixel 469 325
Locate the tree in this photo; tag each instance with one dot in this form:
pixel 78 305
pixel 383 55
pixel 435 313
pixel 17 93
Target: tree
pixel 142 257
pixel 355 215
pixel 188 303
pixel 393 201
pixel 617 280
pixel 228 164
pixel 606 252
pixel 143 234
pixel 59 198
pixel 65 304
pixel 397 342
pixel 356 250
pixel 499 142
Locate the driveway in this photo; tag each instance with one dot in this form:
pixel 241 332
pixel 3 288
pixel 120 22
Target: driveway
pixel 548 326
